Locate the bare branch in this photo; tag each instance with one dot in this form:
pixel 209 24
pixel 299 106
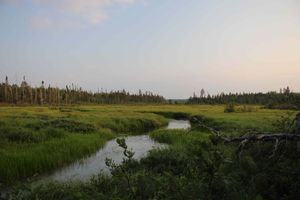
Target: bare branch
pixel 241 147
pixel 275 148
pixel 266 137
pixel 245 139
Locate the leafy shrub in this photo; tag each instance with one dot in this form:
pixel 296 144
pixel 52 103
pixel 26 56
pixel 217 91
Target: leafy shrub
pixel 198 170
pixel 229 108
pixel 246 108
pixel 169 160
pixel 285 123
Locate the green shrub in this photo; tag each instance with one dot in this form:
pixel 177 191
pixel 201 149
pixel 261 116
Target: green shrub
pixel 229 108
pixel 246 108
pixel 285 124
pixel 170 160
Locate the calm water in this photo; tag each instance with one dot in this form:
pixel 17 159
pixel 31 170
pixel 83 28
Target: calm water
pixel 84 169
pixel 179 124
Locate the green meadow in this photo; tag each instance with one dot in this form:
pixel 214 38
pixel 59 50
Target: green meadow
pixel 38 139
pixel 35 140
pixel 195 165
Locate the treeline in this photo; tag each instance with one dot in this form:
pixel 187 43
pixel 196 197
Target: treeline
pixel 284 99
pixel 26 94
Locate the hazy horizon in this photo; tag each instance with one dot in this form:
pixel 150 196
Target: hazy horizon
pixel 169 47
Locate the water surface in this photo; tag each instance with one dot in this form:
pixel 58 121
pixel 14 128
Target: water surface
pixel 179 124
pixel 85 168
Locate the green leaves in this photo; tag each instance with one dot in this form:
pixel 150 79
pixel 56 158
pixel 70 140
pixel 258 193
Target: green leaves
pixel 128 154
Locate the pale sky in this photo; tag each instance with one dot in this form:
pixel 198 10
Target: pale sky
pixel 171 47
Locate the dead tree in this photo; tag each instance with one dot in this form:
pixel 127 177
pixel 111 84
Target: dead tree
pixel 255 137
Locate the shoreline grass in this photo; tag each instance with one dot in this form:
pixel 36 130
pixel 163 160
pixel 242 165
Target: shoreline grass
pixel 19 161
pixel 37 139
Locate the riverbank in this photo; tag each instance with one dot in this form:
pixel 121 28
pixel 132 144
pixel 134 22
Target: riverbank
pixel 35 140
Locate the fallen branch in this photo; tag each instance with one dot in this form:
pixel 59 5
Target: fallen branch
pixel 265 137
pixel 275 148
pixel 256 137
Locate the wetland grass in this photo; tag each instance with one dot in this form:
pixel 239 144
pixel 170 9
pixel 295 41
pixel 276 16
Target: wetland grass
pixel 35 140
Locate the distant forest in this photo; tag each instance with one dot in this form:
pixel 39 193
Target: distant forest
pixel 71 94
pixel 26 94
pixel 282 99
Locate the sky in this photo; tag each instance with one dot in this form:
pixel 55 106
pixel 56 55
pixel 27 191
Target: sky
pixel 170 47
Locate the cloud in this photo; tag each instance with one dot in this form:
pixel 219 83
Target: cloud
pixel 90 11
pixel 40 22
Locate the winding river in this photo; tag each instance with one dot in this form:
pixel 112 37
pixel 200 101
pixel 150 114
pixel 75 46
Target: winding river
pixel 85 168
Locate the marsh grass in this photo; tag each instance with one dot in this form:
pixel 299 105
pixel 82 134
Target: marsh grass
pixel 73 126
pixel 24 160
pixel 38 139
pixel 178 137
pixel 134 125
pixel 34 140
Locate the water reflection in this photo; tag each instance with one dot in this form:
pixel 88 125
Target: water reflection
pixel 85 168
pixel 179 124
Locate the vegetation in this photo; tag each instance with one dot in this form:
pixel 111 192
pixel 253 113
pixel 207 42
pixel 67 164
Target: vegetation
pixel 196 165
pixel 229 108
pixel 34 140
pixel 198 168
pixel 285 99
pixel 25 94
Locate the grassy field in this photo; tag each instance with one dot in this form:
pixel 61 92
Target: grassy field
pixel 34 140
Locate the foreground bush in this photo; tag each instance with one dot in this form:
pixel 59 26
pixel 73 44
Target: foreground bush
pixel 196 170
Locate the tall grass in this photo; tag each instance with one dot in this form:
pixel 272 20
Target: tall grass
pixel 134 125
pixel 34 140
pixel 38 139
pixel 25 160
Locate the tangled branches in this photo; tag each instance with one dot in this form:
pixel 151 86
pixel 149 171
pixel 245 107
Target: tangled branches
pixel 254 137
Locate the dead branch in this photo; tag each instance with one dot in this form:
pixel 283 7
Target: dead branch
pixel 255 137
pixel 241 147
pixel 265 137
pixel 275 148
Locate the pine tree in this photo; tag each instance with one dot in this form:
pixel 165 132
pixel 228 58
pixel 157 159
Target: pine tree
pixel 6 99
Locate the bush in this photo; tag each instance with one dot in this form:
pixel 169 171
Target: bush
pixel 229 108
pixel 285 123
pixel 246 108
